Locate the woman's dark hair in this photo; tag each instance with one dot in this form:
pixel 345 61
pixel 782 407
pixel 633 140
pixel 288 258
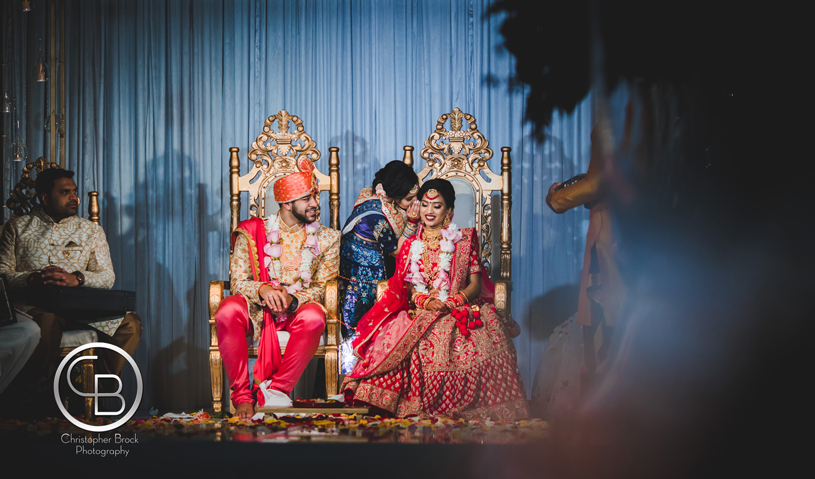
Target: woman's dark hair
pixel 397 179
pixel 445 189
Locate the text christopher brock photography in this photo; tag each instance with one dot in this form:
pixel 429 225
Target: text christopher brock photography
pixel 116 445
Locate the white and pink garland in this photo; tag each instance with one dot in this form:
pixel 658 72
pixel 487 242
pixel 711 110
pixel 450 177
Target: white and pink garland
pixel 418 276
pixel 274 250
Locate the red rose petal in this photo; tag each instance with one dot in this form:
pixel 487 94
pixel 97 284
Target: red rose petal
pixel 471 325
pixel 476 314
pixel 479 323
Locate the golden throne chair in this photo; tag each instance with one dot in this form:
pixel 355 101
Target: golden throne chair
pixel 22 200
pixel 273 155
pixel 460 155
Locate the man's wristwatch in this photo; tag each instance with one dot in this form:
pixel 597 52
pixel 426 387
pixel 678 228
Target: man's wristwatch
pixel 79 277
pixel 294 304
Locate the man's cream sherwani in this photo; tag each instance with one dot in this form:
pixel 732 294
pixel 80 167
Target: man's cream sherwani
pixel 31 242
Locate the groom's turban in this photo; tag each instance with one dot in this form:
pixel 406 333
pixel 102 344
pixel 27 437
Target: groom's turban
pixel 296 185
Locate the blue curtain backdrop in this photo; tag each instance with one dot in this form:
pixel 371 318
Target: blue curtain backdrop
pixel 157 91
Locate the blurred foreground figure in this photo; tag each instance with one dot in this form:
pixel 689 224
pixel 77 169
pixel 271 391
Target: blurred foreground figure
pixel 602 290
pixel 706 368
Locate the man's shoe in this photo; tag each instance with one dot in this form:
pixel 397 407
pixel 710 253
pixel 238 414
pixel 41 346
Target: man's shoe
pixel 269 397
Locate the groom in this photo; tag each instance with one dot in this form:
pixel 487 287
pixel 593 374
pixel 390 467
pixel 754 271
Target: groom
pixel 278 270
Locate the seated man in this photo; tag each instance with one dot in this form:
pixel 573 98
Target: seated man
pixel 278 270
pixel 52 246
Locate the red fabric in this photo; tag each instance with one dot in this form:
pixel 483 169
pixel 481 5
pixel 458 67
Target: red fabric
pixel 233 323
pixel 395 302
pixel 233 326
pixel 424 364
pixel 256 228
pixel 306 327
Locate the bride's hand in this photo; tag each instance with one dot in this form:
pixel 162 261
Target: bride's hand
pixel 437 305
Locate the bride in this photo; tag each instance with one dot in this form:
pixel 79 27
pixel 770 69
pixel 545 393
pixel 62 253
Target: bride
pixel 433 344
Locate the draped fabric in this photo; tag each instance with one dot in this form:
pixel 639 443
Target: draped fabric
pixel 157 91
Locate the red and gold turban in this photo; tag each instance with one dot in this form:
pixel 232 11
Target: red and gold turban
pixel 297 185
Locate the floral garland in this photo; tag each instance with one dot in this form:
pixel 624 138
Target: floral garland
pixel 418 276
pixel 274 250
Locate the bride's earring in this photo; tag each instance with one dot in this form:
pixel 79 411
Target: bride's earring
pixel 446 221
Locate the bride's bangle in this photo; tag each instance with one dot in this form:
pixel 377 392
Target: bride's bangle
pixel 409 231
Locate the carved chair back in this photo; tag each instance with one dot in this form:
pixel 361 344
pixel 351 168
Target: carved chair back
pixel 275 154
pixel 460 153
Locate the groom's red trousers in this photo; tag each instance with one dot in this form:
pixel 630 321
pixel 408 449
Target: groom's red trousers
pixel 233 324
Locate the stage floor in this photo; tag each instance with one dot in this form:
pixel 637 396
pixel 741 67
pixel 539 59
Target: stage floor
pixel 298 428
pixel 305 446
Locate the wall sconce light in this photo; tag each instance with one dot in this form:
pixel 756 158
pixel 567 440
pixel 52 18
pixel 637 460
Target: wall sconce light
pixel 6 102
pixel 41 73
pixel 19 152
pixel 26 6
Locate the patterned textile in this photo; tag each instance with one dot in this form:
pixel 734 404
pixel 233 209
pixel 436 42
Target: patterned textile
pixel 363 263
pixel 369 201
pixel 245 257
pixel 418 362
pixel 31 242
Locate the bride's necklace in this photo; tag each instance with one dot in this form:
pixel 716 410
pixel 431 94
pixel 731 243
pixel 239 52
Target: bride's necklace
pixel 430 255
pixel 423 250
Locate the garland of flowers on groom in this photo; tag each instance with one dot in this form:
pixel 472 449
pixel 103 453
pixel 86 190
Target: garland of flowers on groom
pixel 274 250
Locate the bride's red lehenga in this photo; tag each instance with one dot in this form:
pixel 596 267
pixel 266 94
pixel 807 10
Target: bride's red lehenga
pixel 417 362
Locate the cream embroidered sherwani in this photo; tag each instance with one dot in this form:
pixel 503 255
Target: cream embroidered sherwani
pixel 324 268
pixel 31 242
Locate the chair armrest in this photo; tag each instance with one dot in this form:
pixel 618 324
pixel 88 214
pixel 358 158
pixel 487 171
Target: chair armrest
pixel 216 295
pixel 503 290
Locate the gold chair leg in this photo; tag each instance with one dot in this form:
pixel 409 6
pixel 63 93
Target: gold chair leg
pixel 331 372
pixel 87 375
pixel 216 371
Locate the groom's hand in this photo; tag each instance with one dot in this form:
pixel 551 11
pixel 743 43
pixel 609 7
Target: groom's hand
pixel 276 299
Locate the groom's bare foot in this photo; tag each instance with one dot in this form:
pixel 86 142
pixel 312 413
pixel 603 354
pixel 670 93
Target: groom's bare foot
pixel 245 410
